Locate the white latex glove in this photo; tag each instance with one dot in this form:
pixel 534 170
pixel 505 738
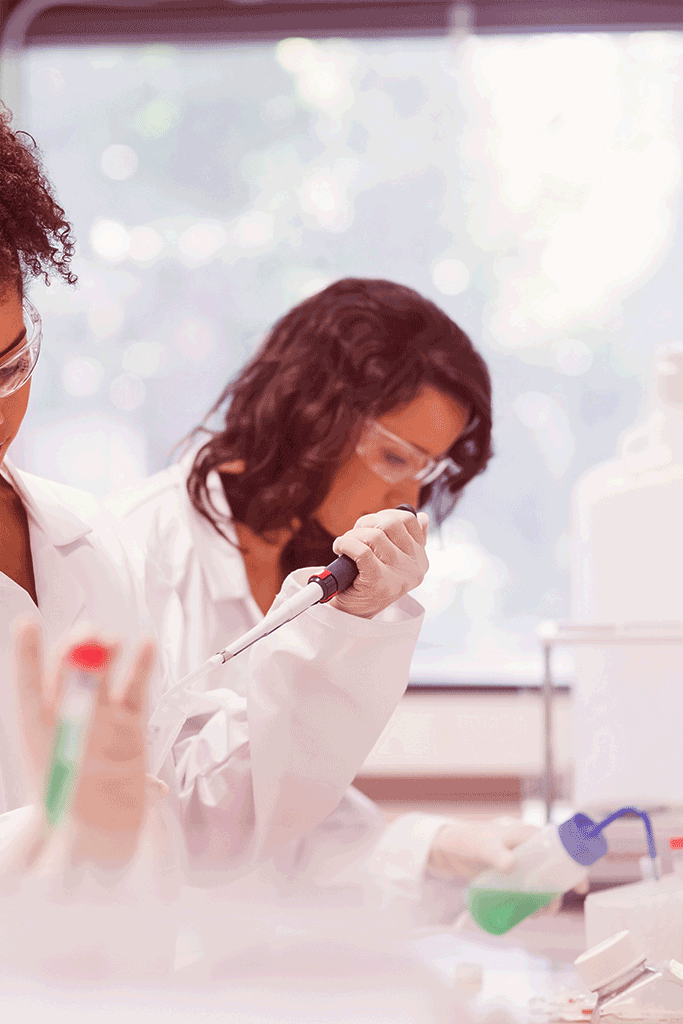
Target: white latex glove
pixel 112 790
pixel 389 549
pixel 89 899
pixel 463 849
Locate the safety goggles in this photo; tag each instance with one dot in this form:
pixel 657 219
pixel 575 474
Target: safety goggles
pixel 395 460
pixel 18 365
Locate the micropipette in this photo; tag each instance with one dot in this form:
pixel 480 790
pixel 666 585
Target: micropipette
pixel 334 579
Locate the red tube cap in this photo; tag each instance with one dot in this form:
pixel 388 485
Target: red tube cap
pixel 90 656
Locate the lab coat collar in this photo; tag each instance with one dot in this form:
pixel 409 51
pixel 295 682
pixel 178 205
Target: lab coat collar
pixel 221 561
pixel 60 524
pixel 61 597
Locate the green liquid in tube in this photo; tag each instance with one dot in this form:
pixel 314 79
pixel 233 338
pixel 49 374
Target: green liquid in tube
pixel 499 910
pixel 62 772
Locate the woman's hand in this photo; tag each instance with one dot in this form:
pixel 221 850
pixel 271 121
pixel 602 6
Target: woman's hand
pixel 389 549
pixel 463 849
pixel 108 807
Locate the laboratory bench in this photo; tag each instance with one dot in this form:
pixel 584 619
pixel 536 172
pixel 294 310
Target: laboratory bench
pixel 477 752
pixel 534 961
pixel 455 744
pixel 480 750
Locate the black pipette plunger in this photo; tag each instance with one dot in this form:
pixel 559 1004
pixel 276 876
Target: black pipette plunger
pixel 340 574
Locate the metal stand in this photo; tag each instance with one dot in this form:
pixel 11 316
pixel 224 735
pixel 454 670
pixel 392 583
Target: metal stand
pixel 553 634
pixel 548 779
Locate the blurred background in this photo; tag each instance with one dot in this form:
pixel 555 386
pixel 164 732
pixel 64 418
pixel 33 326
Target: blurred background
pixel 519 164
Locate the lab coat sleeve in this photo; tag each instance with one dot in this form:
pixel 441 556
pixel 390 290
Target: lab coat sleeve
pixel 355 858
pixel 401 856
pixel 257 776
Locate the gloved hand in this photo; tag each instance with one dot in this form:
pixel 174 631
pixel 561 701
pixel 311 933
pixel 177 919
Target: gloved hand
pixel 112 789
pixel 389 549
pixel 463 849
pixel 63 917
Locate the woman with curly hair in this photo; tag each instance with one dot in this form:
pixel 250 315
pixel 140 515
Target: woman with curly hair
pixel 279 763
pixel 363 397
pixel 56 567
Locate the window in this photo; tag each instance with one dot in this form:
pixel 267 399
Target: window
pixel 528 184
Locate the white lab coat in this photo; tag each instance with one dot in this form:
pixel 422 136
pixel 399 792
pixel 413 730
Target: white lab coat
pixel 197 591
pixel 259 772
pixel 82 575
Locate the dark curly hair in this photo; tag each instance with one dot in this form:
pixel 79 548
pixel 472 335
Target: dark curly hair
pixel 35 237
pixel 354 351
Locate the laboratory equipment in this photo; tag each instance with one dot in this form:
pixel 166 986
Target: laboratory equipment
pixel 650 870
pixel 85 662
pixel 676 847
pixel 626 987
pixel 597 636
pixel 547 865
pixel 626 567
pixel 652 910
pixel 169 715
pixel 624 861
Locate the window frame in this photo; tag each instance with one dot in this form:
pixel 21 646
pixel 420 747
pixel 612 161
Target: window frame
pixel 34 22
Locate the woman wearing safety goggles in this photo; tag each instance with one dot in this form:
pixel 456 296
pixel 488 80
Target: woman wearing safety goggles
pixel 363 397
pixel 271 777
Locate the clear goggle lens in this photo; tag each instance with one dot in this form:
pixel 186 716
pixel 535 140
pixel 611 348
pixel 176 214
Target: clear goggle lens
pixel 433 471
pixel 16 369
pixel 394 460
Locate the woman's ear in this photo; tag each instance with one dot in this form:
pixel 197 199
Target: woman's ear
pixel 232 467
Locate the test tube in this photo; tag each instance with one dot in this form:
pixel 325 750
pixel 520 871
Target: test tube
pixel 85 663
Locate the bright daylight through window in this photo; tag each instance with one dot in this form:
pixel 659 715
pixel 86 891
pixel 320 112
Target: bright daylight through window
pixel 527 184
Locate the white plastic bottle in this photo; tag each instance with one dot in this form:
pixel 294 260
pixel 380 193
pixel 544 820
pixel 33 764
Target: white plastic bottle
pixel 627 567
pixel 626 987
pixel 553 861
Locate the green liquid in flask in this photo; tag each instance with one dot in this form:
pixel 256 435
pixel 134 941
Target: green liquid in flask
pixel 499 910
